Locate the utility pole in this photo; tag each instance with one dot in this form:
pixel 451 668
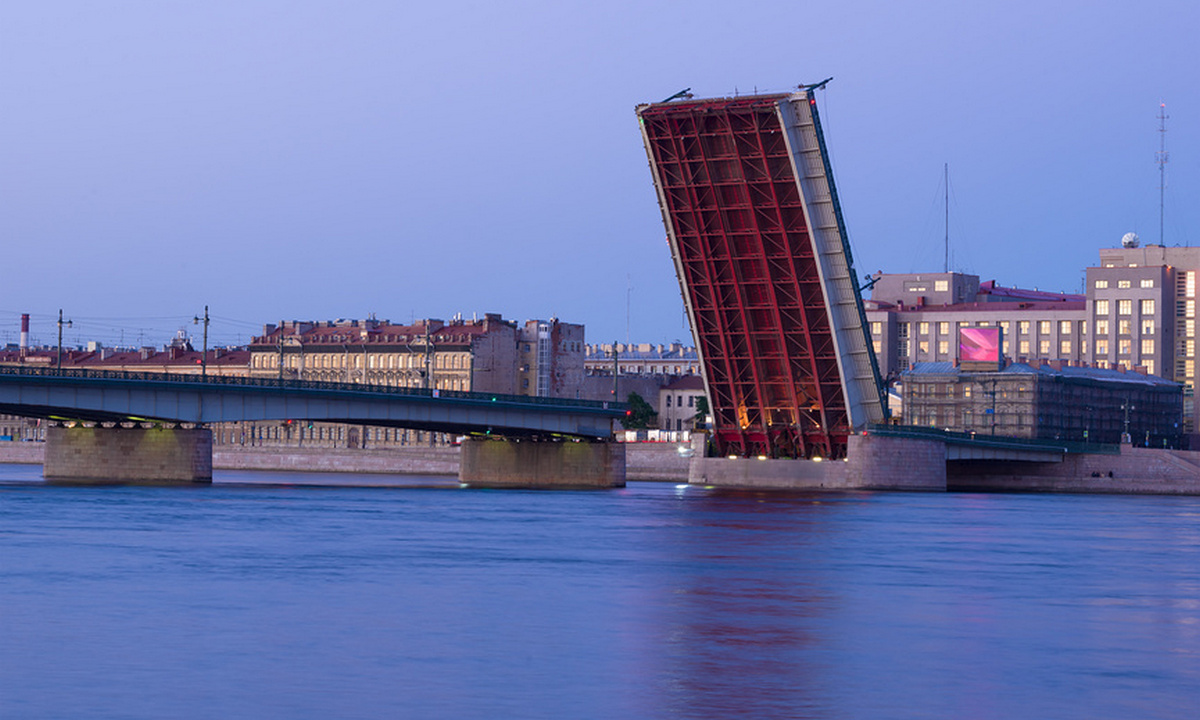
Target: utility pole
pixel 616 367
pixel 60 327
pixel 204 354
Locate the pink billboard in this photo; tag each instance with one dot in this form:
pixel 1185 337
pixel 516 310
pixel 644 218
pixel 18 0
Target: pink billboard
pixel 979 344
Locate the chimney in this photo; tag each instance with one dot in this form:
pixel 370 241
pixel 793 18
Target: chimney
pixel 24 333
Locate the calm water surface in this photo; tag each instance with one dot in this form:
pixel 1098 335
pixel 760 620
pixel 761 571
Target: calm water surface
pixel 285 595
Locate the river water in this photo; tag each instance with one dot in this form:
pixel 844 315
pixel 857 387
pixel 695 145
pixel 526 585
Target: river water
pixel 300 596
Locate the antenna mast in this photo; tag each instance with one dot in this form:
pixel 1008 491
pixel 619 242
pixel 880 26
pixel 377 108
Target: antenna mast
pixel 946 251
pixel 1161 158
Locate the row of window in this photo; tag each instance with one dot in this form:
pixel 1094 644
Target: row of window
pixel 1123 284
pixel 1124 307
pixel 354 360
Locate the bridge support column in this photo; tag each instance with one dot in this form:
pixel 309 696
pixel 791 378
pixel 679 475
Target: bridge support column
pixel 128 455
pixel 526 464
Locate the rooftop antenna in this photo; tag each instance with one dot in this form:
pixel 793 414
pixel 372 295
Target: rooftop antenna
pixel 1161 158
pixel 628 302
pixel 946 252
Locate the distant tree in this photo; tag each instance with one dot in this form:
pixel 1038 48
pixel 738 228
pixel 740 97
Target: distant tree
pixel 641 415
pixel 701 411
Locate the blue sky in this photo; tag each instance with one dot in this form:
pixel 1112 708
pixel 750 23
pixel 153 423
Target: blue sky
pixel 317 160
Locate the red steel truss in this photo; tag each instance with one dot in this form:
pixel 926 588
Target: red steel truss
pixel 736 222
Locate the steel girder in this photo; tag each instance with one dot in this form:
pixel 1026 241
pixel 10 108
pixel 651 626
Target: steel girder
pixel 735 217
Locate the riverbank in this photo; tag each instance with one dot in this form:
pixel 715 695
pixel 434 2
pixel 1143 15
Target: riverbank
pixel 660 462
pixel 1136 471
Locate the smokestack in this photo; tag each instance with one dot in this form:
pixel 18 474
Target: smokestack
pixel 24 333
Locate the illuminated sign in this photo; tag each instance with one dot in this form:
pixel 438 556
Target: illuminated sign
pixel 980 344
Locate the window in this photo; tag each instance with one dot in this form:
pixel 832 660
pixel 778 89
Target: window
pixel 1083 327
pixel 691 401
pixel 1024 347
pixel 1147 346
pixel 944 328
pixel 943 347
pixel 1023 327
pixel 1101 308
pixel 1101 284
pixel 878 345
pixel 1101 346
pixel 1102 327
pixel 876 328
pixel 1122 284
pixel 941 285
pixel 1147 283
pixel 1083 347
pixel 923 347
pixel 923 328
pixel 1124 346
pixel 1124 307
pixel 1044 327
pixel 668 401
pixel 1147 326
pixel 1149 365
pixel 966 391
pixel 1004 326
pixel 1147 307
pixel 1064 348
pixel 1044 348
pixel 1123 326
pixel 1064 327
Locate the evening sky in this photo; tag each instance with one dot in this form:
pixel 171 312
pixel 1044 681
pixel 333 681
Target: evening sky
pixel 317 160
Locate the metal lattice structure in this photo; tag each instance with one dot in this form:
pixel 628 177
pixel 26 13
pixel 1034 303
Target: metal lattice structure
pixel 759 247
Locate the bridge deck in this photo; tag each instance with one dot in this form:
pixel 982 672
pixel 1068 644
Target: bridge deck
pixel 105 396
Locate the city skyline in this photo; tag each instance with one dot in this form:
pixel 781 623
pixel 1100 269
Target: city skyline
pixel 279 161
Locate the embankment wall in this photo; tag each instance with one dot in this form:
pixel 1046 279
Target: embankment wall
pixel 1135 471
pixel 644 461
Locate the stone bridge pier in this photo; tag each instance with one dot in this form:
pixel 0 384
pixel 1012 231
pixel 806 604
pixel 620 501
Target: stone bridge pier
pixel 155 455
pixel 513 463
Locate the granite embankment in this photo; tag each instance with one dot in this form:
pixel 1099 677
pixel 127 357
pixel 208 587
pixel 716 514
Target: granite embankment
pixel 644 461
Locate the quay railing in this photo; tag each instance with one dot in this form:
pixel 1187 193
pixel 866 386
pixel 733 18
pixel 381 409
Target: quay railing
pixel 997 441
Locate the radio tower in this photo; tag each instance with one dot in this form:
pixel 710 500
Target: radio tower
pixel 1161 159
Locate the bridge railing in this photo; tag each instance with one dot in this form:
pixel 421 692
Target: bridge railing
pixel 1066 446
pixel 289 384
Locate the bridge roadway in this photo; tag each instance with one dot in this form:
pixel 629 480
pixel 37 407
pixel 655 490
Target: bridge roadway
pixel 107 397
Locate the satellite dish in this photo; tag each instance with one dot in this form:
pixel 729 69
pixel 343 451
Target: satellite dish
pixel 1130 240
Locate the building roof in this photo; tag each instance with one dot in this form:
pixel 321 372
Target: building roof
pixel 1069 372
pixel 996 308
pixel 1013 293
pixel 687 382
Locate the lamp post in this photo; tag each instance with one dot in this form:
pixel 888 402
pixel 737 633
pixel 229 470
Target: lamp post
pixel 68 323
pixel 1125 436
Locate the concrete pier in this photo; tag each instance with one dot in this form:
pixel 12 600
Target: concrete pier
pixel 97 455
pixel 872 463
pixel 512 463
